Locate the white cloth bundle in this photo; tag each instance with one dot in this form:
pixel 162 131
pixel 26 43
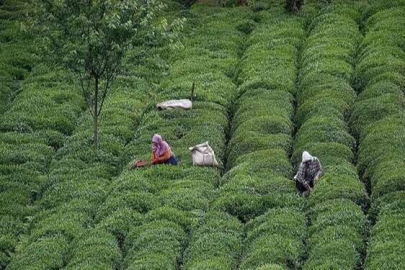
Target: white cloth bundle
pixel 203 155
pixel 175 104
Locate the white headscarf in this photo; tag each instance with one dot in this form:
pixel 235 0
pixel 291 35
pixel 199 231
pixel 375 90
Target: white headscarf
pixel 306 156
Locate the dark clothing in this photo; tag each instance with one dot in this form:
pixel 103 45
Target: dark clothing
pixel 307 172
pixel 172 160
pixel 301 188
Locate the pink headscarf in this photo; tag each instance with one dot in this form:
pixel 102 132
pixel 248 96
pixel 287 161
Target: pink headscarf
pixel 159 147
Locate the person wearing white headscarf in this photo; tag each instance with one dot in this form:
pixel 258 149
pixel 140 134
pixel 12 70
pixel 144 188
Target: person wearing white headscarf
pixel 309 171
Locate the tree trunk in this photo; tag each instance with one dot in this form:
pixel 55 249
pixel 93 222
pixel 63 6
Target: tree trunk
pixel 294 5
pixel 95 116
pixel 298 4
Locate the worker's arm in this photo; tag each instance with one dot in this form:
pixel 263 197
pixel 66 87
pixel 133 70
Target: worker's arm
pixel 163 158
pixel 300 176
pixel 320 171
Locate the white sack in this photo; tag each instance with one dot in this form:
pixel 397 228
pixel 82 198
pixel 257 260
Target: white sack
pixel 203 155
pixel 175 104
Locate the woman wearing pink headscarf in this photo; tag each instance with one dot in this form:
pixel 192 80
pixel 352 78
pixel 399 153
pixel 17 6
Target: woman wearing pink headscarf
pixel 161 152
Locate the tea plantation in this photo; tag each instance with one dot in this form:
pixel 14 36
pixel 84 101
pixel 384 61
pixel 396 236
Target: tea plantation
pixel 269 85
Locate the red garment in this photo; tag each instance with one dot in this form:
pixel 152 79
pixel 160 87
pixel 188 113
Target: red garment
pixel 163 158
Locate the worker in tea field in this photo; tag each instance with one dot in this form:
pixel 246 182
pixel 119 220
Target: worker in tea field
pixel 308 174
pixel 161 152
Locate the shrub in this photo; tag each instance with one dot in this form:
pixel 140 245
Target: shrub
pixel 387 199
pixel 248 142
pixel 139 201
pixel 327 153
pixel 385 255
pixel 336 233
pixel 327 107
pixel 323 130
pixel 374 109
pixel 338 254
pixel 380 88
pixel 263 162
pixel 186 219
pixel 184 199
pixel 382 139
pixel 68 224
pixel 95 248
pixel 273 248
pixel 288 222
pixel 85 187
pixel 335 186
pixel 337 212
pixel 47 252
pixel 163 238
pixel 120 222
pixel 325 86
pixel 215 244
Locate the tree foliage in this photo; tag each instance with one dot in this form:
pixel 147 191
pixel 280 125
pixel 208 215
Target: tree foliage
pixel 92 37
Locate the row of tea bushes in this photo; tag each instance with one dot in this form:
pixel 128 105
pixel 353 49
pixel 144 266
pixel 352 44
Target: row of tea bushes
pixel 30 129
pixel 78 180
pixel 26 154
pixel 337 222
pixel 378 121
pixel 261 128
pixel 276 229
pixel 151 212
pixel 258 167
pixel 16 60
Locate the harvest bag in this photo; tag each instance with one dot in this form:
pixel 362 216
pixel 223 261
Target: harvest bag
pixel 175 104
pixel 203 155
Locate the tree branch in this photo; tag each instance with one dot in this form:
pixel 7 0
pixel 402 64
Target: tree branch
pixel 109 81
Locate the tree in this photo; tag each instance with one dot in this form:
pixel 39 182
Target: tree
pixel 242 2
pixel 294 5
pixel 92 37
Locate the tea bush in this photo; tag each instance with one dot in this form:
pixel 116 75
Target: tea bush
pixel 325 102
pixel 16 53
pixel 95 249
pixel 378 122
pixel 216 243
pixel 31 129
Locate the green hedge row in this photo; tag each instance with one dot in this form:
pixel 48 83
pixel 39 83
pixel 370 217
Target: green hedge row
pixel 258 187
pixel 30 130
pixel 275 238
pixel 338 224
pixel 15 54
pixel 378 121
pixel 217 243
pixel 259 169
pixel 33 109
pixel 78 181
